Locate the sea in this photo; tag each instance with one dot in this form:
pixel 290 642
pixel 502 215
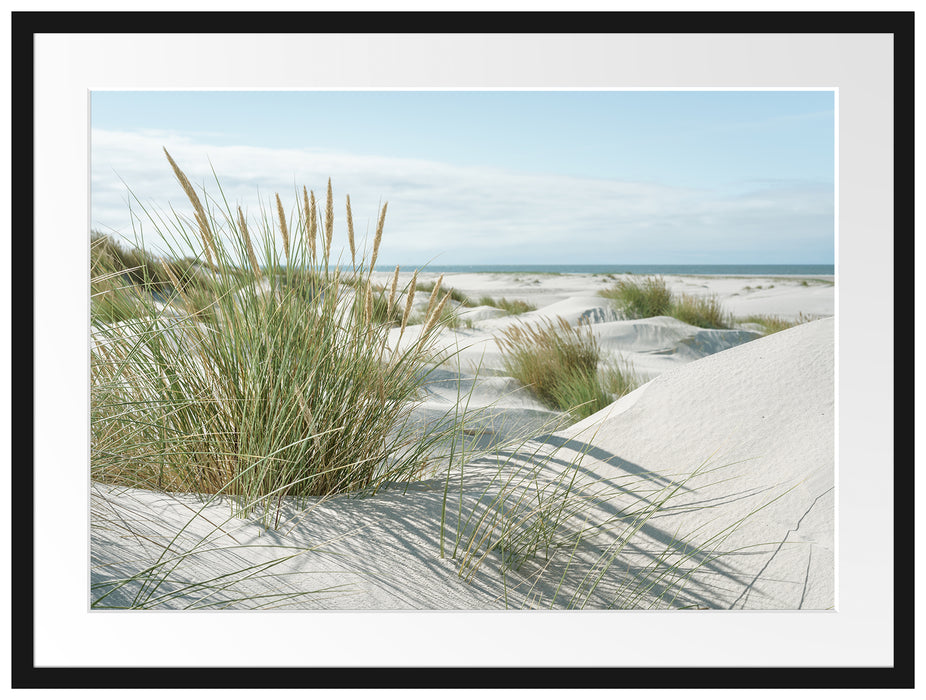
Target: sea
pixel 702 269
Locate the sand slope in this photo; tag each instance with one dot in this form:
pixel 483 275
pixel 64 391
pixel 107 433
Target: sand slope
pixel 767 409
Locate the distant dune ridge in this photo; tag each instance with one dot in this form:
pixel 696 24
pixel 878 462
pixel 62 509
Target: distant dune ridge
pixel 751 415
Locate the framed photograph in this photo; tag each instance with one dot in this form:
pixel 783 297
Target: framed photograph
pixel 356 347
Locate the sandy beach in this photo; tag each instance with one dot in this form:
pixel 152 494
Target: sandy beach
pixel 711 486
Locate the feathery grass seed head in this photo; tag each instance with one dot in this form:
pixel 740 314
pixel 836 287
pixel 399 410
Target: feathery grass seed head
pixel 173 278
pixel 368 303
pixel 329 220
pixel 377 239
pixel 434 293
pixel 392 290
pixel 350 235
pixel 309 219
pixel 432 319
pixel 409 300
pixel 201 219
pixel 283 229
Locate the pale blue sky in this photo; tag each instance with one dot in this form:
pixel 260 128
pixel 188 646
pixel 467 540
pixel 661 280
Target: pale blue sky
pixel 515 177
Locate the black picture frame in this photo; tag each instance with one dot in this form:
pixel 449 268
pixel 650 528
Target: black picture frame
pixel 27 25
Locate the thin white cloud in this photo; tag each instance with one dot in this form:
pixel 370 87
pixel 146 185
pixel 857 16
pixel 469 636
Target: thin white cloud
pixel 471 215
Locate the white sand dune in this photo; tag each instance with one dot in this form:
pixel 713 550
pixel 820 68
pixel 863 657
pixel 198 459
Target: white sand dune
pixel 765 408
pixel 753 529
pixel 786 296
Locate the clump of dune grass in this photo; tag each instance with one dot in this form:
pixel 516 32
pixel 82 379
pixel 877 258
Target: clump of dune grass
pixel 618 377
pixel 291 388
pixel 450 318
pixel 512 307
pixel 651 297
pixel 774 324
pixel 641 299
pixel 455 294
pixel 558 362
pixel 703 312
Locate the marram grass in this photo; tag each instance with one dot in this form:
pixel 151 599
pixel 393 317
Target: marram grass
pixel 641 299
pixel 259 375
pixel 651 297
pixel 560 365
pixel 437 288
pixel 703 312
pixel 512 307
pixel 560 537
pixel 774 324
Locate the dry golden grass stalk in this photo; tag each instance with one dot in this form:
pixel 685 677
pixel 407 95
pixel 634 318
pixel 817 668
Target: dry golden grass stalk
pixel 368 303
pixel 433 297
pixel 174 281
pixel 334 288
pixel 392 290
pixel 433 318
pixel 283 229
pixel 377 239
pixel 308 417
pixel 408 302
pixel 189 304
pixel 201 219
pixel 243 226
pixel 329 220
pixel 309 220
pixel 350 235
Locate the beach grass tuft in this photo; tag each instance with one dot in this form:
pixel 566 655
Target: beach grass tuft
pixel 651 297
pixel 618 377
pixel 513 307
pixel 267 378
pixel 703 312
pixel 773 324
pixel 641 299
pixel 560 365
pixel 437 288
